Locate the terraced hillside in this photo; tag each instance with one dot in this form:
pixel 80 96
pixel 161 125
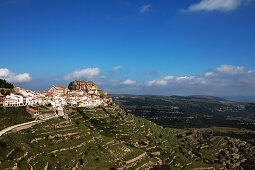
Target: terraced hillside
pixel 189 112
pixel 109 138
pixel 12 116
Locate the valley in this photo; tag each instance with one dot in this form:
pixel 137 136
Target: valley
pixel 193 112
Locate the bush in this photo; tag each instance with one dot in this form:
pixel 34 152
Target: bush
pixel 81 162
pixel 160 167
pixel 3 144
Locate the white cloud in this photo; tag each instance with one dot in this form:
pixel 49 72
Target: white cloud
pixel 208 74
pixel 144 8
pixel 229 69
pixel 184 78
pixel 87 73
pixel 251 71
pixel 157 82
pixel 160 81
pixel 13 77
pixel 201 80
pixel 168 77
pixel 215 5
pixel 128 82
pixel 25 77
pixel 4 72
pixel 117 68
pixel 223 80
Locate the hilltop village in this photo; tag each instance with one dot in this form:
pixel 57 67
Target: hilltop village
pixel 79 94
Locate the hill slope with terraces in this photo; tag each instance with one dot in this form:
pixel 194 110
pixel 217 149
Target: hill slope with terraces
pixel 110 138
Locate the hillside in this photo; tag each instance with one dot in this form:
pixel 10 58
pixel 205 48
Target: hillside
pixel 5 84
pixel 194 112
pixel 188 112
pixel 110 138
pixel 191 104
pixel 206 97
pixel 5 87
pixel 13 116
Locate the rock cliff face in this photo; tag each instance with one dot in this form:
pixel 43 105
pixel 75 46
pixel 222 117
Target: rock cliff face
pixel 82 85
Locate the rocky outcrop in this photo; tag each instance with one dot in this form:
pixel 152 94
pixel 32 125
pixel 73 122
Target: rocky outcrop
pixel 82 85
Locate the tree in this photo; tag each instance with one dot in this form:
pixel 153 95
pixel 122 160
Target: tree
pixel 8 92
pixel 5 84
pixel 2 91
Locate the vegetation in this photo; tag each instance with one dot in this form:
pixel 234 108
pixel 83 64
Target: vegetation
pixel 5 84
pixel 214 115
pixel 110 138
pixel 189 112
pixel 43 109
pixel 12 116
pixel 5 92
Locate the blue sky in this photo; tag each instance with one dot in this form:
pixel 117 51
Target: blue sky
pixel 45 42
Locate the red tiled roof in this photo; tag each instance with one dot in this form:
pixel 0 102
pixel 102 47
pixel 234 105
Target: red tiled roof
pixel 33 110
pixel 60 87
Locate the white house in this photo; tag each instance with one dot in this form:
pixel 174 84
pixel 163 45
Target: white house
pixel 27 100
pixel 60 111
pixel 13 100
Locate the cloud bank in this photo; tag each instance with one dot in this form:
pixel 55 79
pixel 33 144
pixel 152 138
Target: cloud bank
pixel 215 5
pixel 224 80
pixel 13 77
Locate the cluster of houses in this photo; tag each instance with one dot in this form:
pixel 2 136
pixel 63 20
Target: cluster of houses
pixel 81 98
pixel 56 97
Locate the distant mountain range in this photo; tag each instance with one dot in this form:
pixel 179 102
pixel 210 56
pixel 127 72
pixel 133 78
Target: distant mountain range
pixel 199 111
pixel 230 98
pixel 240 98
pixel 245 99
pixel 207 97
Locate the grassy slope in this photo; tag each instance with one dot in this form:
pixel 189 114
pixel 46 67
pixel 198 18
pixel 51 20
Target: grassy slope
pixel 13 116
pixel 189 112
pixel 104 138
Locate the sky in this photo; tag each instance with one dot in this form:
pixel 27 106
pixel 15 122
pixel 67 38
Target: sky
pixel 177 47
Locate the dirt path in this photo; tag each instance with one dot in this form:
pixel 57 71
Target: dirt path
pixel 136 158
pixel 25 125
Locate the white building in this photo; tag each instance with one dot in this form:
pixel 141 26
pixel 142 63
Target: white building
pixel 57 97
pixel 27 100
pixel 60 111
pixel 13 100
